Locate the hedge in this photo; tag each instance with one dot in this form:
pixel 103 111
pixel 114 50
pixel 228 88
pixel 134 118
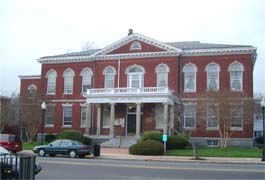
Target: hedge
pixel 71 134
pixel 177 142
pixel 152 135
pixel 147 147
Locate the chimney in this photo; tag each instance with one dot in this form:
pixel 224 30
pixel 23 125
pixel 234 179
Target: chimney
pixel 130 32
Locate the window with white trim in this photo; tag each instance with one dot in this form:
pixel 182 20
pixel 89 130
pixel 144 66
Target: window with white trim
pixel 212 77
pixel 109 73
pixel 212 118
pixel 136 45
pixel 189 78
pixel 189 116
pixel 86 79
pixel 159 116
pixel 68 81
pixel 135 77
pixel 83 113
pixel 32 89
pixel 106 116
pixel 212 143
pixel 49 116
pixel 236 76
pixel 51 81
pixel 162 75
pixel 67 115
pixel 236 113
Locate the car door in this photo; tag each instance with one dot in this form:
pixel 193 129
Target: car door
pixel 65 146
pixel 54 147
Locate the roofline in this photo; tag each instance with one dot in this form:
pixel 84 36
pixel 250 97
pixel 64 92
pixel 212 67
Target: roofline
pixel 29 76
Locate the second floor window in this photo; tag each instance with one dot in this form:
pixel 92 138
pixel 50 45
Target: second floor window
pixel 135 76
pixel 212 77
pixel 109 73
pixel 236 76
pixel 162 75
pixel 189 78
pixel 86 79
pixel 68 81
pixel 51 81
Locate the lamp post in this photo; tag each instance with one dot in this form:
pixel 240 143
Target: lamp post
pixel 43 107
pixel 262 104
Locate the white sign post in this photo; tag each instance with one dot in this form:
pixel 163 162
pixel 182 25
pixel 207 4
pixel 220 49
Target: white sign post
pixel 164 138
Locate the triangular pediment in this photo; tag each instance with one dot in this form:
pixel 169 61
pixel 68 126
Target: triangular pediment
pixel 124 46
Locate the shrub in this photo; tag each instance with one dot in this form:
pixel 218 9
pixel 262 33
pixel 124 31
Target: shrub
pixel 87 140
pixel 147 147
pixel 177 142
pixel 152 135
pixel 49 137
pixel 71 134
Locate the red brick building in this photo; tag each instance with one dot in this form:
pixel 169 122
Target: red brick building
pixel 138 83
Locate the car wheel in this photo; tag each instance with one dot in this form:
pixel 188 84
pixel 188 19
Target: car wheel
pixel 42 152
pixel 52 155
pixel 72 154
pixel 81 156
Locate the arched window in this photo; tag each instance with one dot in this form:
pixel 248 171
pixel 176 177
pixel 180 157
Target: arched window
pixel 190 77
pixel 162 75
pixel 212 70
pixel 236 76
pixel 109 73
pixel 32 88
pixel 135 76
pixel 135 46
pixel 51 81
pixel 68 81
pixel 86 79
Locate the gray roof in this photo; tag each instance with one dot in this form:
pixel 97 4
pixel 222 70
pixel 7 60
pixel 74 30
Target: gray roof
pixel 184 45
pixel 192 45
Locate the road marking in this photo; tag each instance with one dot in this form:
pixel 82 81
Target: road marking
pixel 153 167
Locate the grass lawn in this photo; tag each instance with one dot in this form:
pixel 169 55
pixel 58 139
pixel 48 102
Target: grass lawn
pixel 218 152
pixel 29 146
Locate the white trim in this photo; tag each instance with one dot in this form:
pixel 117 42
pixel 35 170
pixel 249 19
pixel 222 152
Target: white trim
pixel 69 69
pixel 86 69
pixel 109 66
pixel 67 105
pixel 51 71
pixel 68 100
pixel 217 78
pixel 32 85
pixel 195 78
pixel 30 77
pixel 135 43
pixel 135 65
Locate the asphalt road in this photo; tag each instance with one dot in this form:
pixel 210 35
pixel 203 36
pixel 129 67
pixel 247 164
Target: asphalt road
pixel 66 168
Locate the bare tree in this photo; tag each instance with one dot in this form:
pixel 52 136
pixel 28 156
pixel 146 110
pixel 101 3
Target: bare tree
pixel 228 109
pixel 30 112
pixel 88 45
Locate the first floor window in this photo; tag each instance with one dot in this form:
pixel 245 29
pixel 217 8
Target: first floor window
pixel 83 117
pixel 189 117
pixel 106 116
pixel 236 118
pixel 49 118
pixel 159 116
pixel 212 143
pixel 67 116
pixel 212 118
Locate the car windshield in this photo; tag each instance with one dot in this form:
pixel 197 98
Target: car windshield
pixel 3 151
pixel 56 143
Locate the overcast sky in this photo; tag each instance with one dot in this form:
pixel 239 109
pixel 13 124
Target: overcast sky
pixel 31 29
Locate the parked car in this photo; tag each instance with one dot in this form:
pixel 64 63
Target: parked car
pixel 64 147
pixel 11 142
pixel 10 165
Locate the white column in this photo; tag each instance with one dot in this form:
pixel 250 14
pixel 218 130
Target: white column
pixel 138 120
pixel 88 118
pixel 165 118
pixel 171 123
pixel 98 118
pixel 112 114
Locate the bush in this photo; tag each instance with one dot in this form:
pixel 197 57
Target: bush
pixel 49 137
pixel 147 147
pixel 71 134
pixel 152 135
pixel 87 140
pixel 177 142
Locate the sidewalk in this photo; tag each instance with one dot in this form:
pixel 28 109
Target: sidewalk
pixel 123 154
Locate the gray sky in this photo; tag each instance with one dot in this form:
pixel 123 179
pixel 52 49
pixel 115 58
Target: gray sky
pixel 30 29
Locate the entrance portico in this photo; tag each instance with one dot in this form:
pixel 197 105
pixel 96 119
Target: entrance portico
pixel 132 98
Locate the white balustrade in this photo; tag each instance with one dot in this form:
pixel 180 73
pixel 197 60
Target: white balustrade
pixel 128 91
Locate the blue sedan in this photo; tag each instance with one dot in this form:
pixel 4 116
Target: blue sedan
pixel 64 147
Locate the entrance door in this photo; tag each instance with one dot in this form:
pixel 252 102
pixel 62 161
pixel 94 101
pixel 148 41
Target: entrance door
pixel 131 124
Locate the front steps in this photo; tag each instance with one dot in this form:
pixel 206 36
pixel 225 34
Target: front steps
pixel 120 142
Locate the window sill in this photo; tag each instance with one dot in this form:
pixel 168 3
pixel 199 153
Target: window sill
pixel 50 94
pixel 49 126
pixel 212 129
pixel 106 127
pixel 186 91
pixel 67 126
pixel 236 129
pixel 189 128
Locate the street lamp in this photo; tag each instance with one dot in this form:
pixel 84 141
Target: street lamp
pixel 262 104
pixel 43 107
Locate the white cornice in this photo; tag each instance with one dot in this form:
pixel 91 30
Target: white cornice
pixel 30 77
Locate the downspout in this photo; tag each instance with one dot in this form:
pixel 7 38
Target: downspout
pixel 119 66
pixel 180 113
pixel 94 86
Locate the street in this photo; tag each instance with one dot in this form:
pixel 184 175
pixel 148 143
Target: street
pixel 67 168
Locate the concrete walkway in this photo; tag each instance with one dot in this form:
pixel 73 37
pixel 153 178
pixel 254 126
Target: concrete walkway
pixel 123 154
